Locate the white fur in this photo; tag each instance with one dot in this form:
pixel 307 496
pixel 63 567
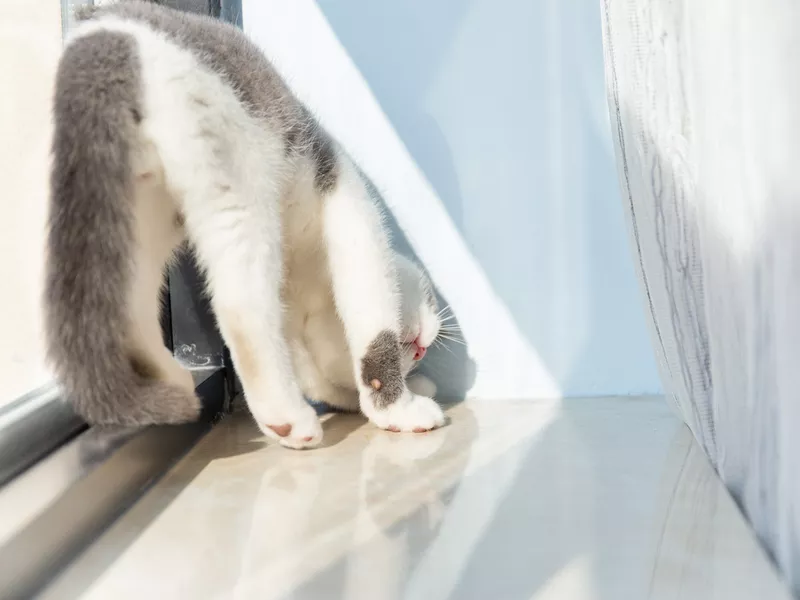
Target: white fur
pixel 157 235
pixel 320 352
pixel 243 203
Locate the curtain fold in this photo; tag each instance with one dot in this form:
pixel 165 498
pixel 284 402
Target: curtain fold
pixel 704 100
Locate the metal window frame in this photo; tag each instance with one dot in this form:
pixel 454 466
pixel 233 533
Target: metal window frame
pixel 62 483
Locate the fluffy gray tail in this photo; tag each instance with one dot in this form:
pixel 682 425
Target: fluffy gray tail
pixel 91 239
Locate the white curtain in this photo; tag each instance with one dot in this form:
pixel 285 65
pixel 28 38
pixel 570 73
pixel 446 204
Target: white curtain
pixel 704 97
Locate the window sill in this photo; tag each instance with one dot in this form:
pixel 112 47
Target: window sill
pixel 63 483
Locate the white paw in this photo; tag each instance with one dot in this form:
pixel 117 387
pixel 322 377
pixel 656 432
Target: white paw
pixel 296 428
pixel 411 412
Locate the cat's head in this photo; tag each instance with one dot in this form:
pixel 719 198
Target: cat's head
pixel 420 318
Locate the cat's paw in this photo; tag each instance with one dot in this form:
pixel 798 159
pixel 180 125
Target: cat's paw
pixel 297 429
pixel 410 413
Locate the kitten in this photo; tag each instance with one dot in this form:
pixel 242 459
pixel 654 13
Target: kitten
pixel 173 127
pixel 318 343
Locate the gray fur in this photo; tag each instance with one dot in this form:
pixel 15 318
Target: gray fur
pixel 90 239
pixel 226 51
pixel 382 363
pixel 324 156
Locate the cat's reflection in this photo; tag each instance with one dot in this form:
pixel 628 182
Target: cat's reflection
pixel 351 520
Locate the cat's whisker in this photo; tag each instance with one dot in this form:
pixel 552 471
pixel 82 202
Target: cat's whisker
pixel 452 332
pixel 454 339
pixel 445 313
pixel 449 349
pixel 450 327
pixel 440 344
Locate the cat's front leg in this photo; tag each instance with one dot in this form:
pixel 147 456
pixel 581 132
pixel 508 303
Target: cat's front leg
pixel 366 299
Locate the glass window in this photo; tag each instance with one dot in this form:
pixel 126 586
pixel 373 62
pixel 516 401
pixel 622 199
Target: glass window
pixel 30 44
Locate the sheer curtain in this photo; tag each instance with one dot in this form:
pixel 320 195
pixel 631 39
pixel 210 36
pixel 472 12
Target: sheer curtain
pixel 704 98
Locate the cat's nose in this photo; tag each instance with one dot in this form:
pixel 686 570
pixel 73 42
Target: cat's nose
pixel 419 354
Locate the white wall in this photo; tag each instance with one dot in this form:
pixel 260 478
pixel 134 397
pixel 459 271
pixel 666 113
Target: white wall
pixel 484 125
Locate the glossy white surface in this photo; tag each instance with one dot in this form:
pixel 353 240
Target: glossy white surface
pixel 595 499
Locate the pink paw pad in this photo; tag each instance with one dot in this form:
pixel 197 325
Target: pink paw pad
pixel 282 430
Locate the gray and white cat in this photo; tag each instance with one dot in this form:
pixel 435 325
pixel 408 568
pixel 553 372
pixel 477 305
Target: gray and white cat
pixel 170 126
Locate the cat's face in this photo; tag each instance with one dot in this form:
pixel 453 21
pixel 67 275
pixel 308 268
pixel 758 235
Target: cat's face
pixel 420 313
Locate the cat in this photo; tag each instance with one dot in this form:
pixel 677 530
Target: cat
pixel 318 343
pixel 170 127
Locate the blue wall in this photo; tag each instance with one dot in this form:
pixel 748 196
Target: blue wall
pixel 501 105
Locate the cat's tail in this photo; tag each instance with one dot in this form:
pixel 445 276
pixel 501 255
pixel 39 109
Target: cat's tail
pixel 91 240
